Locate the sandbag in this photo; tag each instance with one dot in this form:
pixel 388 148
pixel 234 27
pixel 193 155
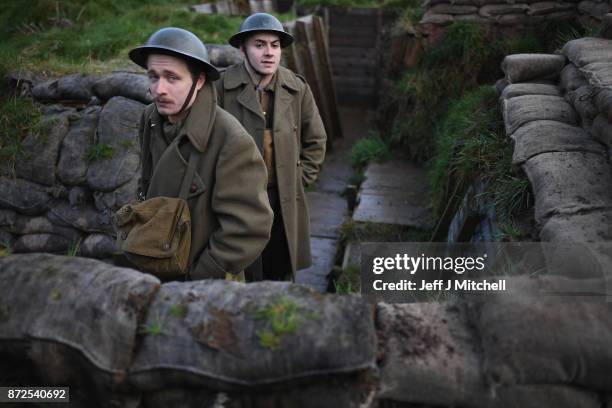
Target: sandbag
pixel 544 136
pixel 23 196
pixel 79 196
pixel 523 67
pixel 545 395
pixel 587 50
pixel 98 246
pixel 6 239
pixel 7 218
pixel 515 19
pixel 582 101
pixel 45 295
pixel 22 224
pixel 73 162
pixel 571 78
pixel 427 356
pixel 492 10
pixel 128 85
pixel 603 102
pixel 229 335
pixel 594 226
pixel 333 391
pixel 183 397
pixel 85 218
pixel 605 28
pixel 569 183
pixel 67 88
pixel 42 151
pixel 602 130
pixel 598 73
pixel 42 242
pixel 528 338
pixel 560 15
pixel 117 129
pixel 476 18
pixel 453 9
pixel 521 110
pixel 593 8
pixel 223 55
pixel 521 89
pixel 110 174
pixel 112 201
pixel 437 19
pixel 501 84
pixel 548 7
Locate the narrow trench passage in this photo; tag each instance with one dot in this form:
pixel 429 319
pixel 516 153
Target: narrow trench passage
pixel 393 193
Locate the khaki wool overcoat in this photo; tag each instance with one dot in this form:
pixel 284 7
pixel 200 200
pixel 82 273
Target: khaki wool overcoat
pixel 298 139
pixel 231 217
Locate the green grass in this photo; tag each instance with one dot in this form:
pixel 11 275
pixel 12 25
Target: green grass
pixel 446 112
pixel 368 150
pixel 179 311
pixel 74 248
pixel 471 143
pixel 467 57
pixel 154 328
pixel 18 117
pixel 5 249
pixel 281 318
pixel 91 36
pixel 349 281
pixel 99 151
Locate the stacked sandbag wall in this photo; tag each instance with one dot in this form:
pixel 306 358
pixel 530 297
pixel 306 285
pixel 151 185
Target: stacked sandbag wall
pixel 120 338
pixel 80 165
pixel 511 13
pixel 557 110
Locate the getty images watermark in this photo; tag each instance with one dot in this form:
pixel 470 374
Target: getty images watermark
pixel 409 272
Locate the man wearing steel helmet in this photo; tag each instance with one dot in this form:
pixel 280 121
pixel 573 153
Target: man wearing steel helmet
pixel 230 214
pixel 277 108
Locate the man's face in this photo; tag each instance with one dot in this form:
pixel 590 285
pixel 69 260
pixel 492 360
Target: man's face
pixel 169 83
pixel 263 51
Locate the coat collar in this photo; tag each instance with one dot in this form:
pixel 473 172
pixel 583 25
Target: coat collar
pixel 237 75
pixel 286 86
pixel 198 124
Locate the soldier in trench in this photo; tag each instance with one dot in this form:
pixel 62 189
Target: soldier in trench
pixel 277 108
pixel 230 214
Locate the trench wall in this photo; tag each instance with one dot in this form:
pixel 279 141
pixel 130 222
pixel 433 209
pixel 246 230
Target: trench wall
pixel 120 338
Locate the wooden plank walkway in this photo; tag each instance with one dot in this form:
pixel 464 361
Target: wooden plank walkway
pixel 328 209
pixel 393 193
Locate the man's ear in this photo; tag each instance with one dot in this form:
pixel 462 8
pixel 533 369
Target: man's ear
pixel 201 81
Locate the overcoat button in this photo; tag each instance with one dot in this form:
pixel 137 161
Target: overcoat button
pixel 193 188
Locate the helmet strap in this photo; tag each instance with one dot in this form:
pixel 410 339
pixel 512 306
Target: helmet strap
pixel 194 82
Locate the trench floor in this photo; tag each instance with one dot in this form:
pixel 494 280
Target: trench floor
pixel 328 209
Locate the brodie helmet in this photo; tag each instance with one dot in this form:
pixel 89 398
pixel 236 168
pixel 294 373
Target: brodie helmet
pixel 176 42
pixel 261 22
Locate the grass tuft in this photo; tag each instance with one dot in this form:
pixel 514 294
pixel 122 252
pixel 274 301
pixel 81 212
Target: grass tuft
pixel 282 317
pixel 19 117
pixel 368 150
pixel 99 151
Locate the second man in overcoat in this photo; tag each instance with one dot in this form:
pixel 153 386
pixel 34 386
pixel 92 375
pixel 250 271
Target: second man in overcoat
pixel 278 109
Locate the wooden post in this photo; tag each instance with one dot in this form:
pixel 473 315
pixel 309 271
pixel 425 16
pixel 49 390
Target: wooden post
pixel 289 53
pixel 308 54
pixel 326 77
